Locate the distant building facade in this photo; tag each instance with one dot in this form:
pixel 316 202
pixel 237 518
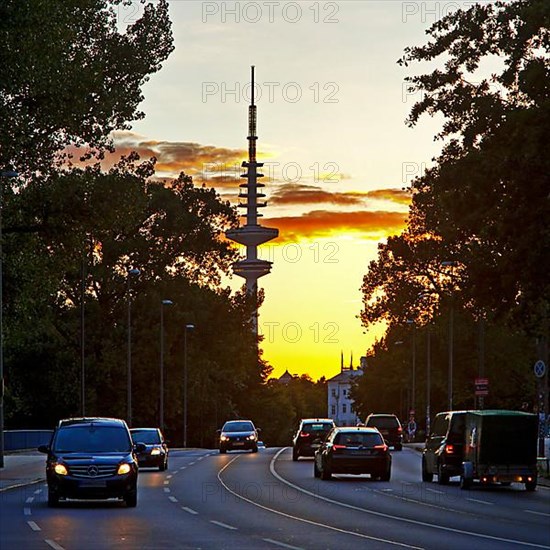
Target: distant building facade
pixel 285 378
pixel 340 404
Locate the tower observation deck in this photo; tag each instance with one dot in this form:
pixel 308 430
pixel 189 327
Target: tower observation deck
pixel 252 234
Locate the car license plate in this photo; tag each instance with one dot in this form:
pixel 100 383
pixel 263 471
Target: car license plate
pixel 94 484
pixel 238 443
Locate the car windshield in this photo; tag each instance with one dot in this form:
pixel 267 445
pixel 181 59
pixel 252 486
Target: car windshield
pixel 92 439
pixel 358 439
pixel 238 427
pixel 384 422
pixel 316 428
pixel 149 437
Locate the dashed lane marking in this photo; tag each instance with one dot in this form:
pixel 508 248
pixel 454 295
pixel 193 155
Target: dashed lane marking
pixel 54 544
pixel 172 498
pixel 29 500
pixel 480 501
pixel 166 490
pixel 33 526
pixel 282 544
pixel 189 510
pixel 224 525
pixel 27 511
pixel 537 513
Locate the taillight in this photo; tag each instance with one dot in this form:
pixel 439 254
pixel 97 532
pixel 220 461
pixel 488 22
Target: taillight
pixel 381 447
pixel 304 434
pixel 399 430
pixel 338 447
pixel 449 449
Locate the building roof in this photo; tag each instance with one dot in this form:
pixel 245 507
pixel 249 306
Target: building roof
pixel 346 375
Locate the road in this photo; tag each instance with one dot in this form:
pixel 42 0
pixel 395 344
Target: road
pixel 264 500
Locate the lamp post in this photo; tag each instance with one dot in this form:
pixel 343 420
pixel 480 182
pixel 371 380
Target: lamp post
pixel 131 273
pixel 161 390
pixel 187 327
pixel 3 174
pixel 413 351
pixel 451 341
pixel 428 377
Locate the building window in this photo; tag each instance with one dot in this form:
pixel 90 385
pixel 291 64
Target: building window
pixel 345 393
pixel 333 410
pixel 333 392
pixel 344 408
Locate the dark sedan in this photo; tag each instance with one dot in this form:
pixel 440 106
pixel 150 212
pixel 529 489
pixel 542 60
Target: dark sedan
pixel 238 435
pixel 155 454
pixel 353 451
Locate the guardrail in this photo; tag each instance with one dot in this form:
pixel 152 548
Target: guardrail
pixel 19 440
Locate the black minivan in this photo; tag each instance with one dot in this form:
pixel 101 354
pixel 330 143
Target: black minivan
pixel 92 458
pixel 444 451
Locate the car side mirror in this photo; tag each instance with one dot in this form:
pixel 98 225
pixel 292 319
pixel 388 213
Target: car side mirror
pixel 218 432
pixel 140 447
pixel 258 430
pixel 44 449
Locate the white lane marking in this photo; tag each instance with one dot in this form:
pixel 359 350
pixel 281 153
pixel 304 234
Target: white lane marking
pixel 189 510
pixel 276 542
pixel 390 516
pixel 303 520
pixel 183 467
pixel 29 500
pixel 169 477
pixel 191 464
pixel 38 491
pixel 387 490
pixel 435 491
pixel 166 483
pixel 537 513
pixel 33 526
pixel 27 511
pixel 200 458
pixel 54 544
pixel 166 490
pixel 172 498
pixel 224 525
pixel 480 501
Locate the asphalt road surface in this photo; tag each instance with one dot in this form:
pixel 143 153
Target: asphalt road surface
pixel 264 500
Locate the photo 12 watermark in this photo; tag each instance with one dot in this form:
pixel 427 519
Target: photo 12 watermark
pixel 270 12
pixel 293 253
pixel 293 332
pixel 430 12
pixel 288 92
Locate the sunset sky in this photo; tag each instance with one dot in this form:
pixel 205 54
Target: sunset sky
pixel 331 129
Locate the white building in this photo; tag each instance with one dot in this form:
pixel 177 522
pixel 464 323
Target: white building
pixel 340 405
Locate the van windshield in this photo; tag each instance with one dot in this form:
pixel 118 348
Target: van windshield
pixel 92 439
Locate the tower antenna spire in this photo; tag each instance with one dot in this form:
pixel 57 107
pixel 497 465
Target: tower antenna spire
pixel 252 234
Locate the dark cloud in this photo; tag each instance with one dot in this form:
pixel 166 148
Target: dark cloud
pixel 324 223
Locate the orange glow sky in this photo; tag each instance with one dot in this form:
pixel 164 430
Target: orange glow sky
pixel 331 111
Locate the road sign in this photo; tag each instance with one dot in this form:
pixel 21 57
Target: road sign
pixel 482 386
pixel 539 369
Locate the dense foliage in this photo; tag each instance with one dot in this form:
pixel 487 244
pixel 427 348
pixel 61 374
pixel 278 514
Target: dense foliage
pixel 478 238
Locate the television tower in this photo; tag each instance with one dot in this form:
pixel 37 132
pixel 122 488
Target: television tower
pixel 252 234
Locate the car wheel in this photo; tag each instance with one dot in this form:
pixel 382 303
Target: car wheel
pixel 53 498
pixel 531 485
pixel 162 466
pixel 326 474
pixel 316 472
pixel 426 476
pixel 399 447
pixel 131 498
pixel 222 451
pixel 255 449
pixel 295 455
pixel 386 476
pixel 465 482
pixel 442 477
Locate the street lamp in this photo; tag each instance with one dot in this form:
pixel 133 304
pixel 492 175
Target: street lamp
pixel 413 389
pixel 3 174
pixel 161 408
pixel 451 343
pixel 187 327
pixel 131 273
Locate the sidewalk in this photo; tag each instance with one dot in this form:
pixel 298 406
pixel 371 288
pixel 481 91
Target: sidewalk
pixel 21 469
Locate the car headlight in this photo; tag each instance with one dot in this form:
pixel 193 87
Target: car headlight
pixel 155 451
pixel 61 470
pixel 224 438
pixel 123 469
pixel 251 437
